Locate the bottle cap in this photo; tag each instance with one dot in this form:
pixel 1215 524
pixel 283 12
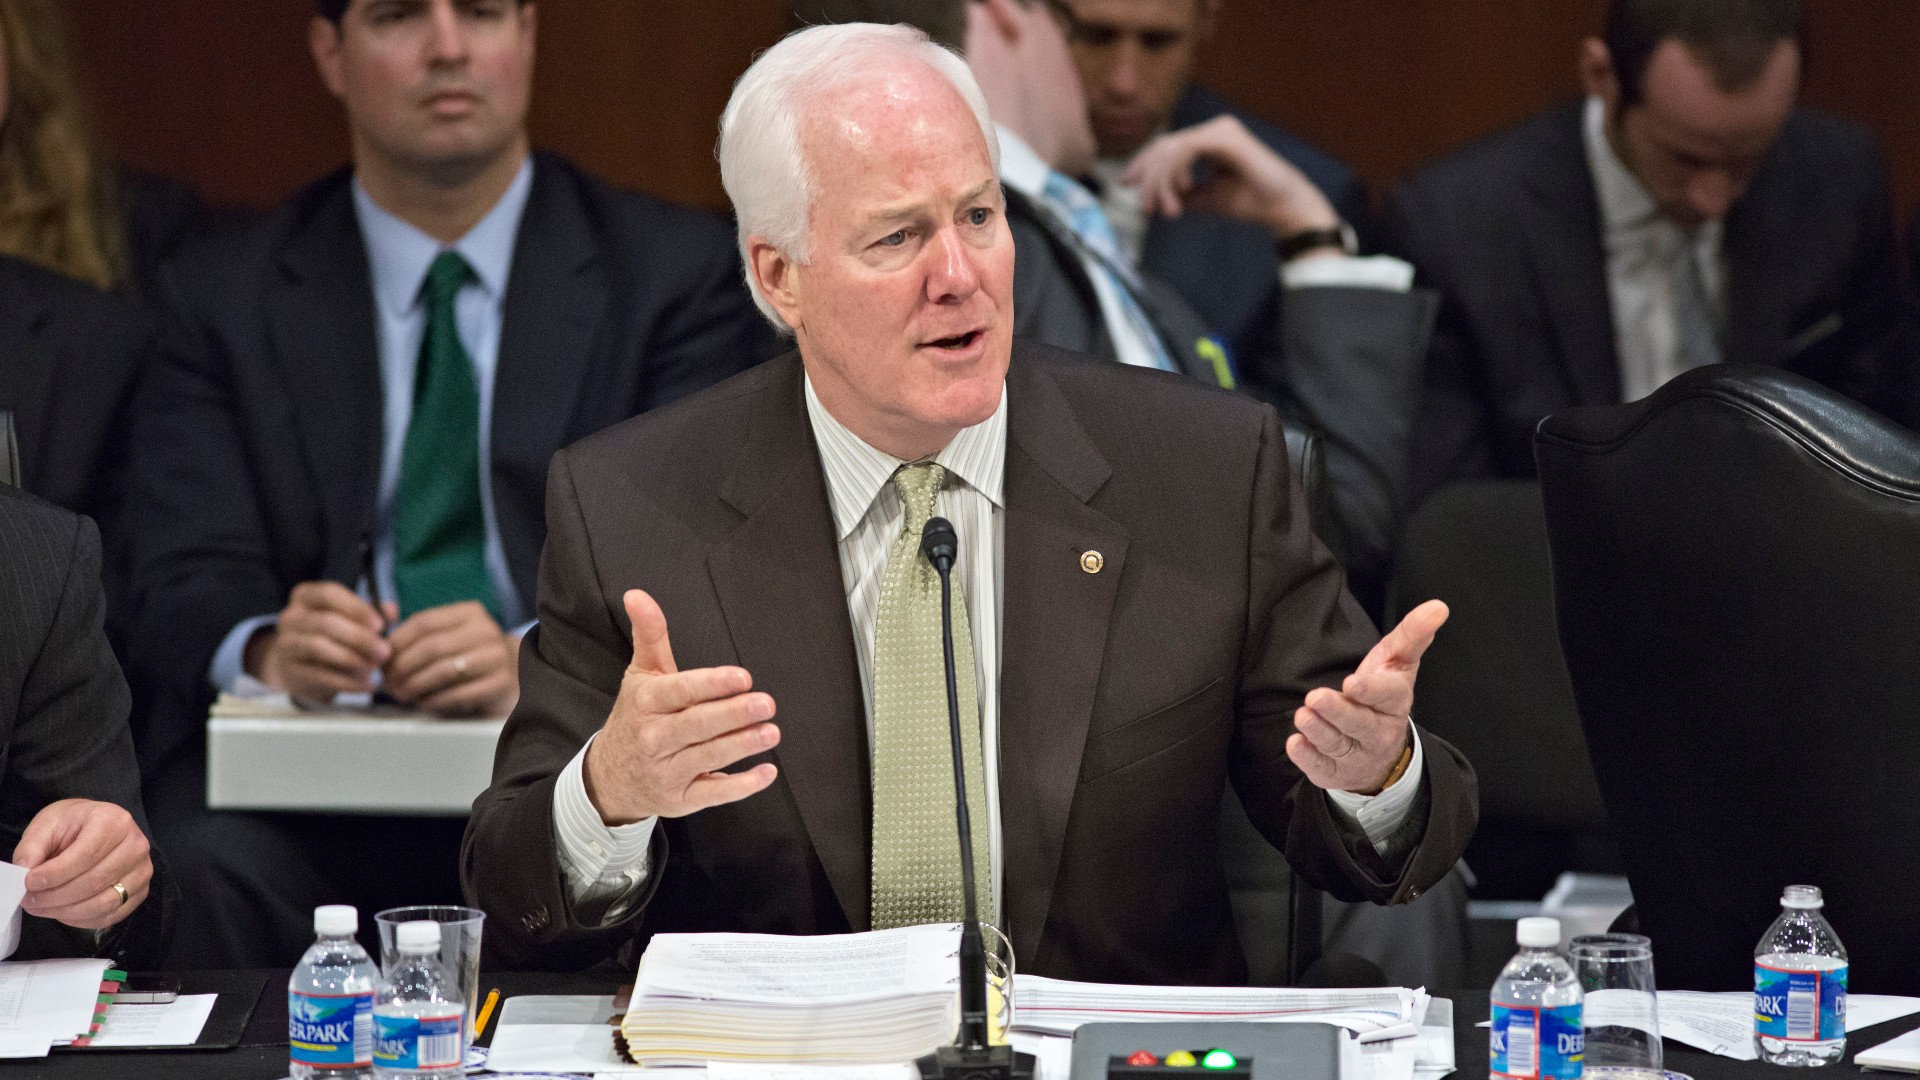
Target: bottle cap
pixel 336 920
pixel 418 937
pixel 1538 932
pixel 1802 896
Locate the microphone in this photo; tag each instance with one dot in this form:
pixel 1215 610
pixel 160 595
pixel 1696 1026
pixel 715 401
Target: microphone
pixel 970 1057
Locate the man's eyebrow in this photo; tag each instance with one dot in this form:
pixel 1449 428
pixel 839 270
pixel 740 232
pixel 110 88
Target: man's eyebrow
pixel 990 183
pixel 908 211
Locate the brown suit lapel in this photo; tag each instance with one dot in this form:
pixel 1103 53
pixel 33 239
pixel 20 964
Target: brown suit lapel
pixel 778 580
pixel 1055 618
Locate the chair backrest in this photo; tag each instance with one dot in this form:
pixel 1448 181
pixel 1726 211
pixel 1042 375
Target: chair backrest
pixel 1737 566
pixel 1493 683
pixel 1277 915
pixel 9 451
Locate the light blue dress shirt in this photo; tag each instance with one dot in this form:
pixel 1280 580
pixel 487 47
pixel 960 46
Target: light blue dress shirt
pixel 398 254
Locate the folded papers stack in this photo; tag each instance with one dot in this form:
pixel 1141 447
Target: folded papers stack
pixel 851 999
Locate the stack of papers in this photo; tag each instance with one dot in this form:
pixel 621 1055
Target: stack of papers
pixel 1723 1023
pixel 850 999
pixel 47 1003
pixel 1394 1033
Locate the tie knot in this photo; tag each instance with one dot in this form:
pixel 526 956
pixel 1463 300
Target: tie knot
pixel 919 485
pixel 445 277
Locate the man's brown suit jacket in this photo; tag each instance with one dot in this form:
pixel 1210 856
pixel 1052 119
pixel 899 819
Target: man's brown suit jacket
pixel 1129 697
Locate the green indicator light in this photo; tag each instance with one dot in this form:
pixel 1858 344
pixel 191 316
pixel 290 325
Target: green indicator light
pixel 1218 1059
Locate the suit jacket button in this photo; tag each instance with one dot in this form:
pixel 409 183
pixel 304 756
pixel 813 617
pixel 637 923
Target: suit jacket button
pixel 1092 561
pixel 535 920
pixel 1412 895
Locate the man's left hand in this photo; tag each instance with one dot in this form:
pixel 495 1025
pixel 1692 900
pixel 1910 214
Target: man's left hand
pixel 1349 739
pixel 1248 180
pixel 75 851
pixel 454 661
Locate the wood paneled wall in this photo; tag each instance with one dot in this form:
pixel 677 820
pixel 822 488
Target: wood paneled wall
pixel 222 93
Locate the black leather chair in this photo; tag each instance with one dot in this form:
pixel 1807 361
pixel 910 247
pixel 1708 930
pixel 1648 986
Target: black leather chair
pixel 9 451
pixel 1737 572
pixel 1494 686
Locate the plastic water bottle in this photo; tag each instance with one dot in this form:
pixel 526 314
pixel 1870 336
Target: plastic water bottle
pixel 1537 1031
pixel 419 1015
pixel 330 1002
pixel 1800 985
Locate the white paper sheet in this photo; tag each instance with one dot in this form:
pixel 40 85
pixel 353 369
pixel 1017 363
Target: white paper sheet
pixel 1901 1054
pixel 175 1023
pixel 1723 1023
pixel 801 970
pixel 47 1000
pixel 13 889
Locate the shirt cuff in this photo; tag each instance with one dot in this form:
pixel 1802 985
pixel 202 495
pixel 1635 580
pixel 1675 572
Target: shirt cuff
pixel 1348 271
pixel 521 630
pixel 1381 816
pixel 600 862
pixel 229 660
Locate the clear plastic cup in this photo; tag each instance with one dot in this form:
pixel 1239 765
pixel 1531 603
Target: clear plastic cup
pixel 459 949
pixel 1621 1017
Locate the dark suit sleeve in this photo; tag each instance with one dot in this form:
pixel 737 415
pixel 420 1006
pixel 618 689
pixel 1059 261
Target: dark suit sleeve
pixel 711 331
pixel 70 741
pixel 202 560
pixel 1305 631
pixel 1352 360
pixel 570 671
pixel 1450 439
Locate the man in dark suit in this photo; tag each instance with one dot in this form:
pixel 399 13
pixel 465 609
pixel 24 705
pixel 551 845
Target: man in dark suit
pixel 1688 212
pixel 70 359
pixel 373 378
pixel 70 809
pixel 1352 349
pixel 1137 59
pixel 1141 613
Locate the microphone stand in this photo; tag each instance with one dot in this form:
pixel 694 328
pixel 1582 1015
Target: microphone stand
pixel 971 1056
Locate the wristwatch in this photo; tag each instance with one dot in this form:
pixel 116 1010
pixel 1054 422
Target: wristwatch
pixel 1294 245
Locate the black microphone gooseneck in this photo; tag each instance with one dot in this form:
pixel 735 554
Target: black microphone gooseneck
pixel 971 1057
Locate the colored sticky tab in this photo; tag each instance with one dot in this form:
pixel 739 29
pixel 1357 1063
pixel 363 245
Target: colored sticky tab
pixel 114 975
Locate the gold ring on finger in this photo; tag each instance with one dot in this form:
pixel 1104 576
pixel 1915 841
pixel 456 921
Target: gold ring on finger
pixel 460 665
pixel 122 890
pixel 1352 745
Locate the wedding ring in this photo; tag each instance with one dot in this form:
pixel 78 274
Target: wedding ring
pixel 1352 745
pixel 460 665
pixel 122 890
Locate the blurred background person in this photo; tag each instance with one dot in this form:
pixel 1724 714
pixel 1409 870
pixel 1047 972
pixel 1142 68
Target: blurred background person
pixel 1689 211
pixel 359 398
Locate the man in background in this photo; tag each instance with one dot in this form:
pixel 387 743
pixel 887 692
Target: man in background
pixel 359 401
pixel 1687 212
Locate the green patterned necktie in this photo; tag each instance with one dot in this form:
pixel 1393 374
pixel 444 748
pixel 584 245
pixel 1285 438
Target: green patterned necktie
pixel 916 841
pixel 439 529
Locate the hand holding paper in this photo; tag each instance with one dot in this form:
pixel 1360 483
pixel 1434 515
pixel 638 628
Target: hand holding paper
pixel 75 851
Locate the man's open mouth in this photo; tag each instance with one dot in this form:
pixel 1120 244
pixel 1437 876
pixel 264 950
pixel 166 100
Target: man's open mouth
pixel 958 341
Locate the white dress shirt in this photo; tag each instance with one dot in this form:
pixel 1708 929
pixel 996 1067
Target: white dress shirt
pixel 398 256
pixel 602 863
pixel 1642 247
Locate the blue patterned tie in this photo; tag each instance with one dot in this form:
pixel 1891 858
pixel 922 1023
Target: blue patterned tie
pixel 1081 212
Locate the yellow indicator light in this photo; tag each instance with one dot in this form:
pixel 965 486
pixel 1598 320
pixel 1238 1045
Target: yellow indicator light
pixel 1180 1059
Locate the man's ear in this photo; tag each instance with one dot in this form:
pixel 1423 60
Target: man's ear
pixel 1597 75
pixel 778 279
pixel 323 38
pixel 1004 18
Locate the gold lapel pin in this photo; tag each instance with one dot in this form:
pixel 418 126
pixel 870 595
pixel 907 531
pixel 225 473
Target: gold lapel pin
pixel 1092 561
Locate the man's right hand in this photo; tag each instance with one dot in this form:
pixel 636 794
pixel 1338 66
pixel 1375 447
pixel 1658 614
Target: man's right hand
pixel 327 642
pixel 671 732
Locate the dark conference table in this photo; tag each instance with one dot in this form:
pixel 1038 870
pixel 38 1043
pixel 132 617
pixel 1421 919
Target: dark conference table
pixel 262 1054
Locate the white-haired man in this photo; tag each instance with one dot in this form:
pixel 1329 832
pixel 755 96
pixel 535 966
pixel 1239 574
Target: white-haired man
pixel 1141 614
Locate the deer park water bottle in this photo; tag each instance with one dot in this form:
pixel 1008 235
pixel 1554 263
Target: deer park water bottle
pixel 1537 1032
pixel 1800 985
pixel 419 1013
pixel 330 1002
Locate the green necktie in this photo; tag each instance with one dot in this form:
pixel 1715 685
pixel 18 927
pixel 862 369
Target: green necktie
pixel 439 529
pixel 916 841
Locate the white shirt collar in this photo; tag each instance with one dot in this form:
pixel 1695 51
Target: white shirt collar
pixel 1624 203
pixel 400 254
pixel 857 472
pixel 1021 168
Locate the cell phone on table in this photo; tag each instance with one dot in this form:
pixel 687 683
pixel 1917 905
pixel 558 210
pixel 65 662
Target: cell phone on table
pixel 148 990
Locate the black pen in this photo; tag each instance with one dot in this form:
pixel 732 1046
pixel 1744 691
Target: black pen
pixel 373 582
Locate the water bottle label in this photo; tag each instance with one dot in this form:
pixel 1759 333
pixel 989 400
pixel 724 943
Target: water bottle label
pixel 330 1030
pixel 418 1042
pixel 1800 1006
pixel 1536 1043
